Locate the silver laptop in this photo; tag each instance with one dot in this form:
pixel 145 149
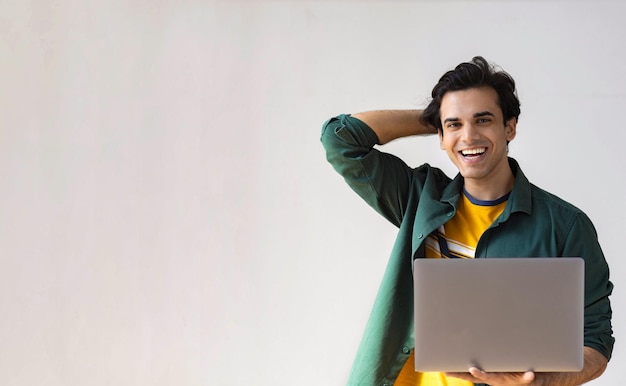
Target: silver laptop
pixel 499 314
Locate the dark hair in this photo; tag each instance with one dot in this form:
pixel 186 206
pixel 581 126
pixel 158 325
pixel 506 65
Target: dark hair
pixel 474 74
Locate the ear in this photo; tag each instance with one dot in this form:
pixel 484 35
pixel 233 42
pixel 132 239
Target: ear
pixel 511 129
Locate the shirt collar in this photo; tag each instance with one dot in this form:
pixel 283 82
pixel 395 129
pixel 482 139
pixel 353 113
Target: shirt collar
pixel 519 201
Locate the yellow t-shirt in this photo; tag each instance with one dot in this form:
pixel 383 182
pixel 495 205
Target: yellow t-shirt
pixel 458 238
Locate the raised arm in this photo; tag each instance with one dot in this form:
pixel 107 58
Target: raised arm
pixel 383 180
pixel 393 124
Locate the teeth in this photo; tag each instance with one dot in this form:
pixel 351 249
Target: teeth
pixel 479 150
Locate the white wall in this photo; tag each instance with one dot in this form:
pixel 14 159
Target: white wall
pixel 167 215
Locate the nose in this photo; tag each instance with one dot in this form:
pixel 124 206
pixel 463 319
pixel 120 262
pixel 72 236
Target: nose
pixel 469 132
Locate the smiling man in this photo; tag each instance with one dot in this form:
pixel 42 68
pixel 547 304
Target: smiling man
pixel 476 138
pixel 489 209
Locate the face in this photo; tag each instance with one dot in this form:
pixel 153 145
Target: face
pixel 475 136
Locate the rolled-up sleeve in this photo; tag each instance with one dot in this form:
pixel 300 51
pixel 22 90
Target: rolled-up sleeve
pixel 582 241
pixel 381 179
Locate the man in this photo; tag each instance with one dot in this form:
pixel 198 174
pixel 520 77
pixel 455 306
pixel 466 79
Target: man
pixel 488 210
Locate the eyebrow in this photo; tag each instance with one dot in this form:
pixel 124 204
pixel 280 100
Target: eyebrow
pixel 476 115
pixel 484 114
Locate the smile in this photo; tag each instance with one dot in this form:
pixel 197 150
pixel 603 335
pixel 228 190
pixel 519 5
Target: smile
pixel 473 152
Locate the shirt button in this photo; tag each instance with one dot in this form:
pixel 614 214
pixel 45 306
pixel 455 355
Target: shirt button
pixel 419 236
pixel 405 350
pixel 450 214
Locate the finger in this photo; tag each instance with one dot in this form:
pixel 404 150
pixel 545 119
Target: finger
pixel 502 378
pixel 477 373
pixel 528 377
pixel 463 376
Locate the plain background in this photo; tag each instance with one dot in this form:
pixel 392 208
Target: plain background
pixel 167 213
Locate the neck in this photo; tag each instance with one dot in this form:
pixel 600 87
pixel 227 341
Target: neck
pixel 491 188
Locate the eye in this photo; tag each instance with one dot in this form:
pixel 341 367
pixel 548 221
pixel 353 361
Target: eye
pixel 483 120
pixel 453 125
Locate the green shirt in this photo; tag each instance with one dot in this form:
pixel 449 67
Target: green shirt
pixel 419 200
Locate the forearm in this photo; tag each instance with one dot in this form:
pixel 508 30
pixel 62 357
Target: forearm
pixel 595 364
pixel 393 124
